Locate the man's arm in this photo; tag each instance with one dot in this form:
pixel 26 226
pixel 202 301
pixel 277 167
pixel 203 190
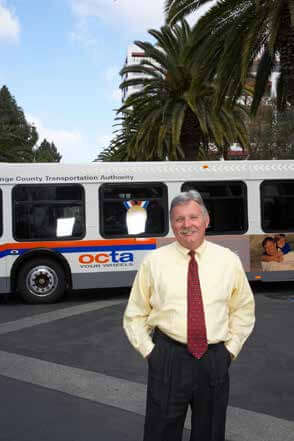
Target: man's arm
pixel 278 258
pixel 138 310
pixel 241 312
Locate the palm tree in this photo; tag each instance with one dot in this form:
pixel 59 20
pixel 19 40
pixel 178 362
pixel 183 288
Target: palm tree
pixel 125 146
pixel 176 10
pixel 173 113
pixel 233 34
pixel 271 133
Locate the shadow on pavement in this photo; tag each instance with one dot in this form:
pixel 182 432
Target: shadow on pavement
pixel 275 290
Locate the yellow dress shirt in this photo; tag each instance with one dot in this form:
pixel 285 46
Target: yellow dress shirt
pixel 159 297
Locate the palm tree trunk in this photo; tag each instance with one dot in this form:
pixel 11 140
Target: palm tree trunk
pixel 191 136
pixel 226 148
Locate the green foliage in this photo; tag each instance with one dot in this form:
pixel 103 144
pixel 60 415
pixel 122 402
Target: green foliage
pixel 17 137
pixel 172 116
pixel 46 152
pixel 176 10
pixel 272 133
pixel 232 34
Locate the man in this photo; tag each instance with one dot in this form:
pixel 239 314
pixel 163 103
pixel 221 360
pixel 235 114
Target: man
pixel 271 252
pixel 199 327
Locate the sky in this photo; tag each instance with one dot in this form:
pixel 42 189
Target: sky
pixel 60 59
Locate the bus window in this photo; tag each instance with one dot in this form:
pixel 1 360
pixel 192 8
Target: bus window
pixel 277 205
pixel 226 203
pixel 133 210
pixel 1 215
pixel 48 212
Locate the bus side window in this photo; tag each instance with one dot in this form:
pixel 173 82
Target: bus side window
pixel 277 205
pixel 226 202
pixel 131 210
pixel 1 214
pixel 40 221
pixel 48 212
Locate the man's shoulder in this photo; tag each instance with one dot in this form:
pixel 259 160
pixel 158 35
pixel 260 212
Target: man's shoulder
pixel 220 250
pixel 162 251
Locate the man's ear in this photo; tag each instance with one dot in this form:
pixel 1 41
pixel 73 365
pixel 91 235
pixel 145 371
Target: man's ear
pixel 207 220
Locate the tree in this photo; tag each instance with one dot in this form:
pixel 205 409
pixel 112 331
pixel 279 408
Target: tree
pixel 46 152
pixel 172 115
pixel 176 10
pixel 122 146
pixel 271 133
pixel 17 136
pixel 233 33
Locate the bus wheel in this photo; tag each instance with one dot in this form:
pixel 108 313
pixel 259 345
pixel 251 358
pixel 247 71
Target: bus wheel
pixel 41 281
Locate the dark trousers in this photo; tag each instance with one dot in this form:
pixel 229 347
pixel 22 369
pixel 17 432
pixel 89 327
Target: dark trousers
pixel 176 380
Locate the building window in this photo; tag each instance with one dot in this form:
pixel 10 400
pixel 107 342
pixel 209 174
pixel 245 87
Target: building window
pixel 48 212
pixel 277 205
pixel 226 202
pixel 133 210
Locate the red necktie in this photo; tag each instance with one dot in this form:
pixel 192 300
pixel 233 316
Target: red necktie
pixel 197 340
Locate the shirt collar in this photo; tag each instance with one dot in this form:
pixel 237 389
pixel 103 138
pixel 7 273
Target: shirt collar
pixel 199 251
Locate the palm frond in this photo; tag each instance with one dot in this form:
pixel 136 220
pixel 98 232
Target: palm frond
pixel 265 68
pixel 176 10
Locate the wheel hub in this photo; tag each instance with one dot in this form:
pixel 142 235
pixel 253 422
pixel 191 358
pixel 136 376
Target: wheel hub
pixel 41 281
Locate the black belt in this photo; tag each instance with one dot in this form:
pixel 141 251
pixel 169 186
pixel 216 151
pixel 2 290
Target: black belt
pixel 158 332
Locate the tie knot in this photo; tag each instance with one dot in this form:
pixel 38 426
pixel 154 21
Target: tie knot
pixel 191 253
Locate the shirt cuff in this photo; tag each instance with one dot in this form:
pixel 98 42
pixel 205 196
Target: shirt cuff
pixel 147 350
pixel 233 348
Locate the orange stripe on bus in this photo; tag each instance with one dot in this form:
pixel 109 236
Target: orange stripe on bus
pixel 76 243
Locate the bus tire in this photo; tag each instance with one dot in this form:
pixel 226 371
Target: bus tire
pixel 41 280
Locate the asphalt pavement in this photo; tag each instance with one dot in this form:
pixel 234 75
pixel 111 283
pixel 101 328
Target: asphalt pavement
pixel 68 373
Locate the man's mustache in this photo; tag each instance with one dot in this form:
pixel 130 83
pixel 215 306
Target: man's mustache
pixel 189 230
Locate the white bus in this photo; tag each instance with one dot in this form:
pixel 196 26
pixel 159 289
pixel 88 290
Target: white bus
pixel 89 226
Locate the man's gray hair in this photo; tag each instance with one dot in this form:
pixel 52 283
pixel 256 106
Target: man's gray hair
pixel 187 196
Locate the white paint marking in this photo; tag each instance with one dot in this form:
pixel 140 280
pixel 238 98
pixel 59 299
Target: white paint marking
pixel 242 425
pixel 48 317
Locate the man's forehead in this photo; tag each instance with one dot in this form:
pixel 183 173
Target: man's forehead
pixel 192 206
pixel 185 204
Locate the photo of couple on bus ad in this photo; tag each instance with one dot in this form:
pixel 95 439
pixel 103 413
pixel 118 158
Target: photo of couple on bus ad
pixel 272 252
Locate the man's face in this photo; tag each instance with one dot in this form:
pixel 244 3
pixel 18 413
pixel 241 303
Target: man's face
pixel 189 224
pixel 270 248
